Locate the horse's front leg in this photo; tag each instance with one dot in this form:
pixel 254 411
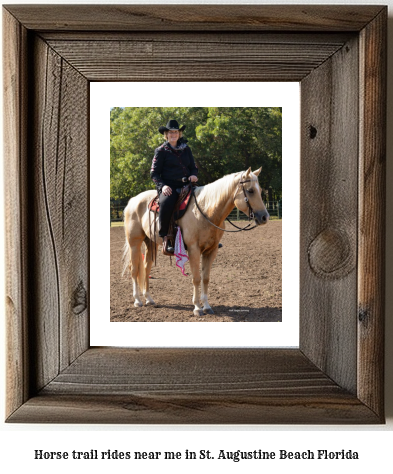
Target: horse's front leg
pixel 207 260
pixel 194 255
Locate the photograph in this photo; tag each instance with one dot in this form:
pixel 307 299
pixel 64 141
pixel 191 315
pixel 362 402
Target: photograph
pixel 196 214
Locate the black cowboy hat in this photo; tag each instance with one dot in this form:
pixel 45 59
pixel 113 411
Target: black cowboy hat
pixel 171 125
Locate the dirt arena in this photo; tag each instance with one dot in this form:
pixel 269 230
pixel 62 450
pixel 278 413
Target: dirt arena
pixel 245 282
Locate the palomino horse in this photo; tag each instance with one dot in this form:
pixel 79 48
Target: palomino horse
pixel 216 201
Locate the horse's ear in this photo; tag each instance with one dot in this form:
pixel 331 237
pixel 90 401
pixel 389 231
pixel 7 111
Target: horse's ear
pixel 247 173
pixel 257 171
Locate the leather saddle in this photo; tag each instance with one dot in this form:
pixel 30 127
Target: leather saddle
pixel 181 205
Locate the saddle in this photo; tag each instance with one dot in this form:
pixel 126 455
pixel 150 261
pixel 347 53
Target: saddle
pixel 181 204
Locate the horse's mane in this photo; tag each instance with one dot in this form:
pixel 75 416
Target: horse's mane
pixel 217 191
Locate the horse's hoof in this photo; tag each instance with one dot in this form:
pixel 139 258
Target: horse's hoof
pixel 208 311
pixel 198 312
pixel 138 304
pixel 150 303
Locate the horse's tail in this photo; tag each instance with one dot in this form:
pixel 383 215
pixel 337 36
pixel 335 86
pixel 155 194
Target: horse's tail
pixel 126 258
pixel 140 263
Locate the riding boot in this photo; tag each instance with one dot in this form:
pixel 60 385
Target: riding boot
pixel 167 248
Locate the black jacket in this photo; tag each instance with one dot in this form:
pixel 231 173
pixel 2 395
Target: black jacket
pixel 170 165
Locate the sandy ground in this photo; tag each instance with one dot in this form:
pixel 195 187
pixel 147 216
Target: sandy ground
pixel 245 281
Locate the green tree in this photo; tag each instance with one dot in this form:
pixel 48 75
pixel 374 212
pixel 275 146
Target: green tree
pixel 236 138
pixel 223 140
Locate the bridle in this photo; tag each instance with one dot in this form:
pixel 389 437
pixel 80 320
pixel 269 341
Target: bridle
pixel 251 212
pixel 250 215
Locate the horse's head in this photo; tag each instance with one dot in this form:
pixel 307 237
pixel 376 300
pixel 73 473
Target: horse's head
pixel 248 196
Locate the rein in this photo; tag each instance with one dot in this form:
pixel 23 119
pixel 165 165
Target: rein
pixel 251 213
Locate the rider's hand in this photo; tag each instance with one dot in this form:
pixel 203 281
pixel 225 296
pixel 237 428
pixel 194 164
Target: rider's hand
pixel 166 190
pixel 193 179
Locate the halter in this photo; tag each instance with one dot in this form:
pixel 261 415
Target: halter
pixel 251 212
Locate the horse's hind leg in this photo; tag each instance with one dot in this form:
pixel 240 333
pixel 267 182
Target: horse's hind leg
pixel 136 265
pixel 194 259
pixel 207 261
pixel 151 252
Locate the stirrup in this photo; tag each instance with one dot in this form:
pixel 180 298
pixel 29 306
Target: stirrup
pixel 167 249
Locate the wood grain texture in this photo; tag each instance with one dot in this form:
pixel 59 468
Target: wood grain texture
pixel 193 409
pixel 148 60
pixel 14 148
pixel 193 386
pixel 372 198
pixel 60 190
pixel 52 374
pixel 188 17
pixel 200 37
pixel 329 201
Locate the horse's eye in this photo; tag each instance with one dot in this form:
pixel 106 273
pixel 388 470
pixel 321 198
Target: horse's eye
pixel 250 191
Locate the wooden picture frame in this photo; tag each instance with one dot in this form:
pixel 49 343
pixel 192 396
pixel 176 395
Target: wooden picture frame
pixel 338 54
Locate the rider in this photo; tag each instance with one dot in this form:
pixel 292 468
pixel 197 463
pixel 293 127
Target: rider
pixel 172 167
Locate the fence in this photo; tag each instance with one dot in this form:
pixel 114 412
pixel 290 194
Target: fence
pixel 273 207
pixel 117 213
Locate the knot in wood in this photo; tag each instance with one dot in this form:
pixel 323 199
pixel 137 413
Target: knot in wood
pixel 330 254
pixel 313 132
pixel 80 299
pixel 364 315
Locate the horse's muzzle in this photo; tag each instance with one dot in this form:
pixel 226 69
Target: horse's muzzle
pixel 261 217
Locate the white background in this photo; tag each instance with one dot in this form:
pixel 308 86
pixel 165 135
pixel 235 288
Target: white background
pixel 372 442
pixel 103 96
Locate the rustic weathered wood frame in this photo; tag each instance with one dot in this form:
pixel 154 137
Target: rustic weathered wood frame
pixel 338 53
